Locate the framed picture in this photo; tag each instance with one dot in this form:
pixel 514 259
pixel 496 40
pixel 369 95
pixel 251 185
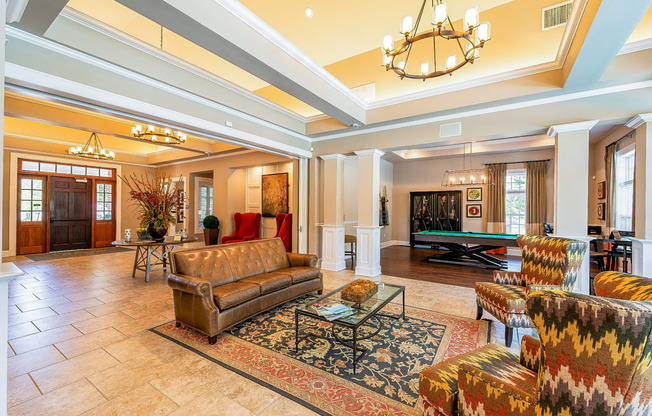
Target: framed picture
pixel 275 194
pixel 601 210
pixel 474 211
pixel 601 190
pixel 474 194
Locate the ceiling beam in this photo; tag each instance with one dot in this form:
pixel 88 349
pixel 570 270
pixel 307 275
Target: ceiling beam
pixel 612 25
pixel 39 15
pixel 243 39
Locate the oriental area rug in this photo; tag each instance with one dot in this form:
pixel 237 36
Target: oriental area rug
pixel 320 377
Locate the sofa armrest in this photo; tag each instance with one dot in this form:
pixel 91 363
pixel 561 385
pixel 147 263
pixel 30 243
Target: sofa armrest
pixel 508 278
pixel 190 284
pixel 618 285
pixel 530 353
pixel 250 237
pixel 302 260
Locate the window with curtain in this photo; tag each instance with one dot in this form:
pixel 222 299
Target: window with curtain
pixel 624 189
pixel 204 202
pixel 515 201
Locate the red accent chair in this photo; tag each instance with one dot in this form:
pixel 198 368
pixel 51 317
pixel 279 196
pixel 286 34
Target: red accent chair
pixel 247 228
pixel 284 230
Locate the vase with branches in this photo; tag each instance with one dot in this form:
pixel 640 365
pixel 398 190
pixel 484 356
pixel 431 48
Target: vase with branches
pixel 155 197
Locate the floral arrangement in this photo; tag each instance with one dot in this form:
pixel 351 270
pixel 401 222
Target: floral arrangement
pixel 155 198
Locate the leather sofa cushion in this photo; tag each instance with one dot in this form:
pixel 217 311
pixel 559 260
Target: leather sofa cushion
pixel 273 253
pixel 270 282
pixel 232 294
pixel 245 259
pixel 301 274
pixel 209 264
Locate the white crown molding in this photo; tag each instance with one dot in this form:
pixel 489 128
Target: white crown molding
pixel 554 131
pixel 118 70
pixel 368 152
pixel 569 32
pixel 337 156
pixel 47 82
pixel 637 46
pixel 561 97
pixel 100 27
pixel 639 120
pixel 73 158
pixel 264 29
pixel 198 159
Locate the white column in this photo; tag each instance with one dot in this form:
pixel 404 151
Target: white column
pixel 303 207
pixel 642 244
pixel 8 271
pixel 332 249
pixel 368 231
pixel 571 187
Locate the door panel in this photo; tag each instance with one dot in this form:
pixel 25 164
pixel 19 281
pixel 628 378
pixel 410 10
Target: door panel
pixel 70 214
pixel 31 214
pixel 104 213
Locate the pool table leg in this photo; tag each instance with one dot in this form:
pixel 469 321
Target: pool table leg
pixel 509 334
pixel 478 313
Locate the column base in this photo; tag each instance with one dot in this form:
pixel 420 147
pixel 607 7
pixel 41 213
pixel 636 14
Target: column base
pixel 332 249
pixel 642 257
pixel 368 256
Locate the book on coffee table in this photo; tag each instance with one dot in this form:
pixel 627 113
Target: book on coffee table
pixel 332 310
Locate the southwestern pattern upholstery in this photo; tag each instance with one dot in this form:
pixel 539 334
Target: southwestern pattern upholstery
pixel 216 287
pixel 550 261
pixel 594 358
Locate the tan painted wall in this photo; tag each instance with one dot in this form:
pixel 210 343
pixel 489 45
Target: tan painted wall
pixel 426 175
pixel 387 181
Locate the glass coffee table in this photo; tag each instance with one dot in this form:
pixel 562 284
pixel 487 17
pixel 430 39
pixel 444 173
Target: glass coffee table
pixel 367 311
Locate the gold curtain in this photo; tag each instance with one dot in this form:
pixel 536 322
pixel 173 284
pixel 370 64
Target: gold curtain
pixel 496 198
pixel 536 202
pixel 610 185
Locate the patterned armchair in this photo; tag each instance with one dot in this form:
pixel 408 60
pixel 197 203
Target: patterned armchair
pixel 546 261
pixel 594 358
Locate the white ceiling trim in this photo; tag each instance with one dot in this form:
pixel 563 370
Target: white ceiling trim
pixel 75 158
pixel 495 109
pixel 116 69
pixel 47 82
pixel 637 46
pixel 100 27
pixel 198 159
pixel 264 29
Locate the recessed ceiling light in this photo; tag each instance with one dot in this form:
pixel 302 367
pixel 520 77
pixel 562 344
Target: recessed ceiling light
pixel 309 12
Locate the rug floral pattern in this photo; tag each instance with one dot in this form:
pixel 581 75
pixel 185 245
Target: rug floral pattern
pixel 321 374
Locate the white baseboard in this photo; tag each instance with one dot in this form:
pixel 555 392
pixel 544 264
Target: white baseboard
pixel 394 243
pixel 6 253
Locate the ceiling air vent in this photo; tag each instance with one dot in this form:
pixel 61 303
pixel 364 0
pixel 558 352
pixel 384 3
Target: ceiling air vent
pixel 557 15
pixel 366 92
pixel 450 130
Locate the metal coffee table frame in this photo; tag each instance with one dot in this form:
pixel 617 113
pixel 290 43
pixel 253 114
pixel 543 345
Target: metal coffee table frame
pixel 351 342
pixel 150 253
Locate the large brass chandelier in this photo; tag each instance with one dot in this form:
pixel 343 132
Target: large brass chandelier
pixel 469 41
pixel 155 134
pixel 93 149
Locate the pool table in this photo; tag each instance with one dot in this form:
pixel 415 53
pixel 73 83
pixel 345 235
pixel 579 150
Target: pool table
pixel 465 248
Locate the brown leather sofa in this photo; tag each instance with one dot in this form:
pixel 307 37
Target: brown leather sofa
pixel 216 287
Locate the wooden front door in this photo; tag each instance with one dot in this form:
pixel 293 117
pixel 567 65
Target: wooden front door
pixel 70 214
pixel 31 214
pixel 104 213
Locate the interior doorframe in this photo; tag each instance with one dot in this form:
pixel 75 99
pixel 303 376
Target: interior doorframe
pixel 13 195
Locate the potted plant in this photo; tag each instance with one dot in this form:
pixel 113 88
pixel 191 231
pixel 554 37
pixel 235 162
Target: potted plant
pixel 211 230
pixel 155 198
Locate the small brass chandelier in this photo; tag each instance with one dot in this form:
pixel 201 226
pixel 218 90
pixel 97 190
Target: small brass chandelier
pixel 154 134
pixel 469 41
pixel 93 149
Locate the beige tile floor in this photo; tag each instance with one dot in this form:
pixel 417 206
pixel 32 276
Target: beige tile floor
pixel 78 344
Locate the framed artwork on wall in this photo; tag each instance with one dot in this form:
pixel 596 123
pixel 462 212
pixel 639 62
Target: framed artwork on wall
pixel 474 211
pixel 474 194
pixel 601 190
pixel 601 210
pixel 275 194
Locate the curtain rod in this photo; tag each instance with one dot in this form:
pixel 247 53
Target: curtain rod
pixel 630 134
pixel 514 163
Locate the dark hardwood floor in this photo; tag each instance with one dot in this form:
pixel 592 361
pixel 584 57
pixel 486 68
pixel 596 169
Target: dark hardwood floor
pixel 412 263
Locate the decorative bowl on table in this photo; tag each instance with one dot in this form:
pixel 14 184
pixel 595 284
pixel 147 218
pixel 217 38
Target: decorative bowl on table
pixel 143 234
pixel 359 291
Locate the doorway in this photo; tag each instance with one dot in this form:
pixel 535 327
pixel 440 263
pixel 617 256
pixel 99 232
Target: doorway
pixel 70 213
